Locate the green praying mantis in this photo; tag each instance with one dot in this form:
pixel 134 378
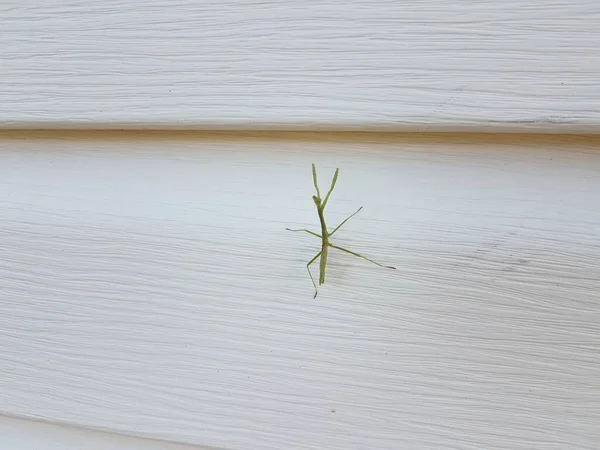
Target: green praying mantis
pixel 325 235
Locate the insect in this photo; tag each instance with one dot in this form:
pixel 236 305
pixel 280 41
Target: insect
pixel 325 235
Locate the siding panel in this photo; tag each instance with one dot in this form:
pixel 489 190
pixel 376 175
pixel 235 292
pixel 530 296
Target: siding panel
pixel 433 64
pixel 148 287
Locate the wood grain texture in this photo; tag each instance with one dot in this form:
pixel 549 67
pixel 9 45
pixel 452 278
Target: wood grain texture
pixel 419 65
pixel 148 287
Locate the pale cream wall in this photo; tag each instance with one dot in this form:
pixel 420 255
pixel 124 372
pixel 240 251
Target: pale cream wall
pixel 410 65
pixel 148 287
pixel 147 284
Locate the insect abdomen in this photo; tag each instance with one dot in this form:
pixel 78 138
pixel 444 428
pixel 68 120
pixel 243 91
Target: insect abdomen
pixel 322 265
